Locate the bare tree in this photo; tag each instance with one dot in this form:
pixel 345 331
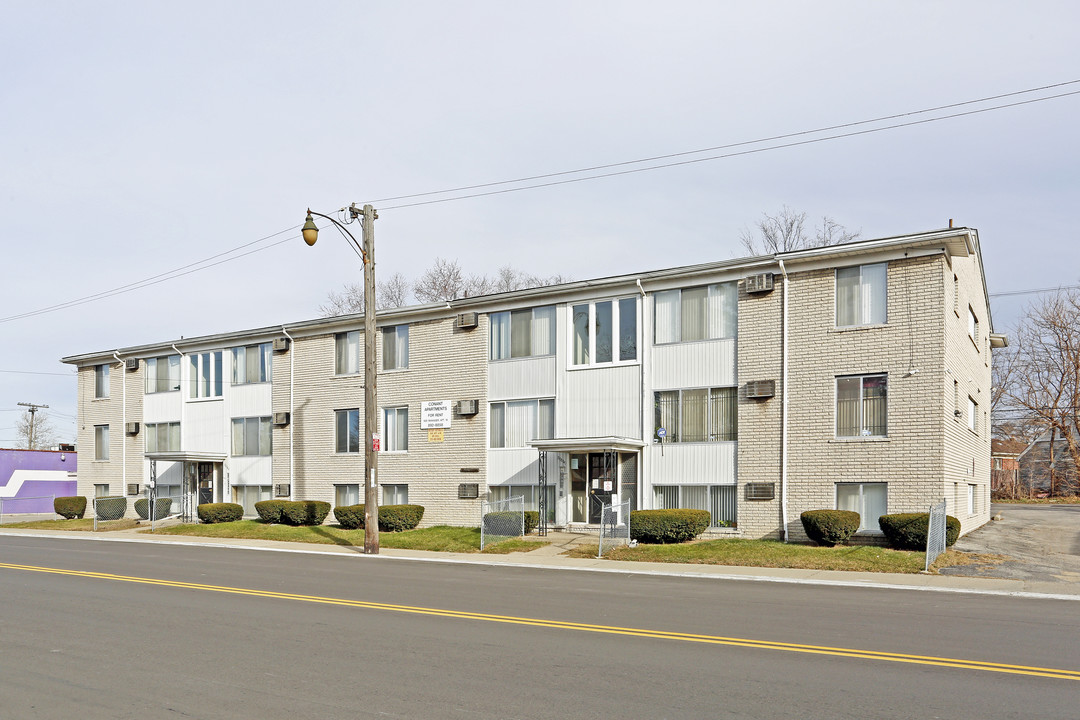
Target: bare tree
pixel 442 281
pixel 394 292
pixel 1044 378
pixel 35 431
pixel 787 230
pixel 391 293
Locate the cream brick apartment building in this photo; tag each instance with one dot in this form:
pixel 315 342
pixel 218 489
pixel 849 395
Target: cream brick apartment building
pixel 854 376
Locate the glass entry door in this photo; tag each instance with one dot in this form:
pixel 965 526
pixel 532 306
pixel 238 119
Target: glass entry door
pixel 206 482
pixel 603 482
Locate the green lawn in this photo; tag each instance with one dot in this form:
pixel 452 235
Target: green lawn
pixel 76 524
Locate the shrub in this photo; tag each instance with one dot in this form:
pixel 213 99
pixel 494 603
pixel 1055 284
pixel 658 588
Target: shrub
pixel 501 522
pixel 270 510
pixel 396 518
pixel 907 531
pixel 830 527
pixel 220 512
pixel 110 508
pixel 532 520
pixel 304 512
pixel 70 507
pixel 161 508
pixel 350 517
pixel 668 526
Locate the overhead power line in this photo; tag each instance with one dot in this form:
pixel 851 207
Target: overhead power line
pixel 33 372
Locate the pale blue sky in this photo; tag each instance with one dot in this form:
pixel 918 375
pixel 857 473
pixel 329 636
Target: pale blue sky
pixel 139 137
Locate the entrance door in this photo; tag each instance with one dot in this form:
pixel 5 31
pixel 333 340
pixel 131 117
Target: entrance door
pixel 603 481
pixel 206 483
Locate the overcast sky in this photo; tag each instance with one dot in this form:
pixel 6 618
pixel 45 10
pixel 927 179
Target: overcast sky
pixel 140 137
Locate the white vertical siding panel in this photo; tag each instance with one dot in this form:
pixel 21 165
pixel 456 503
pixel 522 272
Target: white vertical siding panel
pixel 254 400
pixel 598 402
pixel 513 466
pixel 250 471
pixel 711 363
pixel 521 378
pixel 205 428
pixel 160 407
pixel 692 463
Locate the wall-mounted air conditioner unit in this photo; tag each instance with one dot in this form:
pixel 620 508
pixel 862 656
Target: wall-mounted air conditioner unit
pixel 761 283
pixel 131 364
pixel 133 489
pixel 467 407
pixel 466 321
pixel 468 491
pixel 132 428
pixel 281 344
pixel 282 490
pixel 761 389
pixel 760 491
pixel 280 419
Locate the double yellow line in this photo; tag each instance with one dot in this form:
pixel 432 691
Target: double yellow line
pixel 580 627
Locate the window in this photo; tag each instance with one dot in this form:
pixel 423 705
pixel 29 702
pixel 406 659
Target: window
pixel 346 494
pixel 204 376
pixel 997 463
pixel 101 490
pixel 870 500
pixel 530 495
pixel 163 374
pixel 970 499
pixel 605 332
pixel 162 437
pixel 860 295
pixel 956 295
pixel 347 353
pixel 973 327
pixel 248 495
pixel 516 422
pixel 251 436
pixel 861 406
pixel 251 364
pixel 973 415
pixel 396 429
pixel 395 347
pixel 347 431
pixel 101 381
pixel 101 442
pixel 699 415
pixel 523 333
pixel 719 500
pixel 701 313
pixel 395 494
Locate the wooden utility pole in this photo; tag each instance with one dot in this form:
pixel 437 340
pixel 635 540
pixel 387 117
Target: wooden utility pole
pixel 371 402
pixel 33 409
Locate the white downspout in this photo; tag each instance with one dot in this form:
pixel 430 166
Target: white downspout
pixel 123 421
pixel 643 345
pixel 784 406
pixel 292 418
pixel 182 403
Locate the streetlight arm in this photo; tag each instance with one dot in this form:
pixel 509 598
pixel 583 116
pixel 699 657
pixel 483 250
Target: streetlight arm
pixel 344 231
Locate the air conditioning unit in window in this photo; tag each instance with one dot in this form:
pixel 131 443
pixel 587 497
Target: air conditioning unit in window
pixel 761 283
pixel 282 490
pixel 281 419
pixel 132 428
pixel 467 407
pixel 131 364
pixel 466 321
pixel 133 489
pixel 760 491
pixel 281 344
pixel 761 389
pixel 468 491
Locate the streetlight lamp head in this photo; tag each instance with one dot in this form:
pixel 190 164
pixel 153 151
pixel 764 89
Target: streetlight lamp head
pixel 310 231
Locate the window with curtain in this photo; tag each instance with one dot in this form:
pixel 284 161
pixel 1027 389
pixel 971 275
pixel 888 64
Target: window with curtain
pixel 697 415
pixel 395 347
pixel 973 415
pixel 251 436
pixel 514 423
pixel 530 495
pixel 709 312
pixel 101 442
pixel 529 332
pixel 861 295
pixel 162 437
pixel 346 494
pixel 251 364
pixel 395 429
pixel 861 407
pixel 163 374
pixel 870 500
pixel 719 500
pixel 101 381
pixel 604 332
pixel 395 494
pixel 247 495
pixel 204 375
pixel 347 431
pixel 347 353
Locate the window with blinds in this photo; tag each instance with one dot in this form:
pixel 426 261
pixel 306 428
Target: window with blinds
pixel 861 406
pixel 709 312
pixel 698 415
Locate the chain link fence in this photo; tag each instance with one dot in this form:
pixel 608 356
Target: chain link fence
pixel 26 505
pixel 935 534
pixel 109 508
pixel 502 520
pixel 614 526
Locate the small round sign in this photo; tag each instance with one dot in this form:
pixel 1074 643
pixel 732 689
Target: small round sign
pixel 661 432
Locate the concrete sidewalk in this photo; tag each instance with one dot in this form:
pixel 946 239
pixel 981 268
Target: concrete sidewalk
pixel 550 557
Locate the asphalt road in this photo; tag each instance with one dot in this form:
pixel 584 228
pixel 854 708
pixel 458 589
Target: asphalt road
pixel 150 631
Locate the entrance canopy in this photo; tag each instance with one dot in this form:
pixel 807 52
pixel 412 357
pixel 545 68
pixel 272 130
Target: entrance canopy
pixel 587 445
pixel 186 456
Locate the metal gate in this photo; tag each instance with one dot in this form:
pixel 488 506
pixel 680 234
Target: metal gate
pixel 614 526
pixel 501 520
pixel 935 534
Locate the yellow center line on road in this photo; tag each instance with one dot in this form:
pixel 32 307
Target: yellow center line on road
pixel 579 627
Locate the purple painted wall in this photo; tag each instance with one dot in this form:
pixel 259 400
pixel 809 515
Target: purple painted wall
pixel 30 479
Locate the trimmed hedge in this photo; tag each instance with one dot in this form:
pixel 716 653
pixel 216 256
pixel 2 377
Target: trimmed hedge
pixel 830 527
pixel 110 508
pixel 668 526
pixel 70 507
pixel 161 508
pixel 907 531
pixel 210 513
pixel 304 512
pixel 270 510
pixel 392 518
